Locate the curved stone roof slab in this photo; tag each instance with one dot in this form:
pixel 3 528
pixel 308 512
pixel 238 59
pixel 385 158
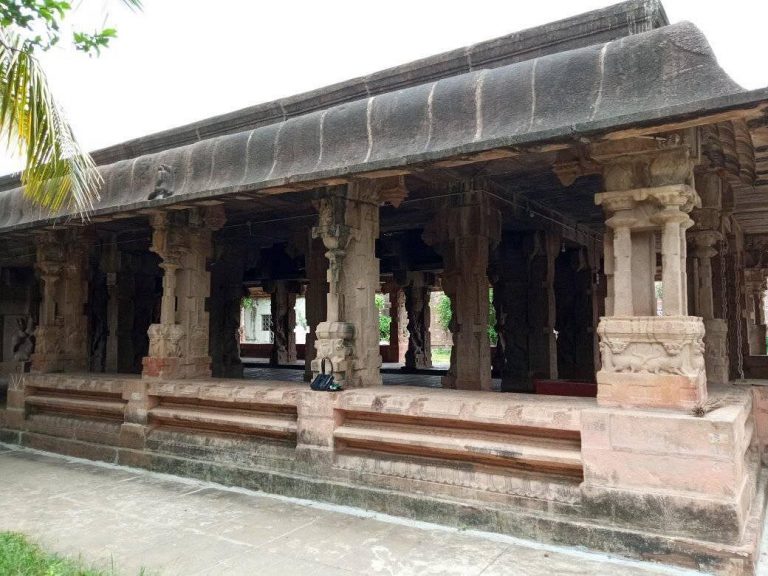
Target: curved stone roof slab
pixel 513 104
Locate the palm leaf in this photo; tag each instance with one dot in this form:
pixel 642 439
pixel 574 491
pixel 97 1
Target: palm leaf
pixel 57 172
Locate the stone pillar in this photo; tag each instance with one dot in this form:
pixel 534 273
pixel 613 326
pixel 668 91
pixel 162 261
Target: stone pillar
pixel 283 321
pixel 463 232
pixel 179 345
pixel 226 299
pixel 418 355
pixel 348 224
pixel 112 267
pixel 316 297
pixel 398 334
pixel 574 297
pixel 648 360
pixel 62 262
pixel 715 341
pixel 754 290
pixel 542 309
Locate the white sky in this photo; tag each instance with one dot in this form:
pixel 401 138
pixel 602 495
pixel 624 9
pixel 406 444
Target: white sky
pixel 184 60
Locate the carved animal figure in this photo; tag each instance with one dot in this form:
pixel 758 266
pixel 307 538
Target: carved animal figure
pixel 163 183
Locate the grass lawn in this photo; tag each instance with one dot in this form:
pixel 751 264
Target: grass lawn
pixel 441 355
pixel 19 557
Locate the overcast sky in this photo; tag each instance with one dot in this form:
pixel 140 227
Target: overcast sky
pixel 184 60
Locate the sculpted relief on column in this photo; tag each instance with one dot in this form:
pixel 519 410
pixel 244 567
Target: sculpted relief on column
pixel 348 225
pixel 650 360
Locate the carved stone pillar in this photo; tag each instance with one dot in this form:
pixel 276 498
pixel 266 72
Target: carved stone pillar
pixel 754 290
pixel 648 360
pixel 398 334
pixel 463 233
pixel 522 274
pixel 112 268
pixel 283 321
pixel 316 297
pixel 715 341
pixel 62 262
pixel 576 325
pixel 348 224
pixel 542 306
pixel 418 355
pixel 226 299
pixel 179 345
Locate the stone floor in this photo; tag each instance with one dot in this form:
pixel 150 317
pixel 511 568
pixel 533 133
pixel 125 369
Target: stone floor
pixel 132 519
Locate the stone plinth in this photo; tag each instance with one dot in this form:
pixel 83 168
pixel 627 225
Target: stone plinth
pixel 672 472
pixel 653 361
pixel 334 345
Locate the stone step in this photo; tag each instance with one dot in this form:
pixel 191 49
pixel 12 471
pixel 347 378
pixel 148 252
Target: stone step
pixel 259 424
pixel 78 405
pixel 514 451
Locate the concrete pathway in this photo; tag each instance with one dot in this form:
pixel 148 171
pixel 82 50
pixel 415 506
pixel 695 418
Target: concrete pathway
pixel 132 519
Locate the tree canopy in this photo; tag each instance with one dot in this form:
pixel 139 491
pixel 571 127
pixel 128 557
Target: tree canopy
pixel 56 170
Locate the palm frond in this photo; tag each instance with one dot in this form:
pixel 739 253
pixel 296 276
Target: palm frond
pixel 57 172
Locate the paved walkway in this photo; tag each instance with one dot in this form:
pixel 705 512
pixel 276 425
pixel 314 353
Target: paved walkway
pixel 131 519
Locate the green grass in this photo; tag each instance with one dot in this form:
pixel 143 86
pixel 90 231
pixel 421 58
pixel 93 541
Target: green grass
pixel 19 557
pixel 441 355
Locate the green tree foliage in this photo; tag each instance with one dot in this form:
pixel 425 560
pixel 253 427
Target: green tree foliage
pixel 385 320
pixel 56 171
pixel 445 313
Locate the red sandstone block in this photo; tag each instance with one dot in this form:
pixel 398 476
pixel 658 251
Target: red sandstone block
pixel 133 436
pixel 16 399
pixel 310 403
pixel 14 418
pixel 629 470
pixel 315 431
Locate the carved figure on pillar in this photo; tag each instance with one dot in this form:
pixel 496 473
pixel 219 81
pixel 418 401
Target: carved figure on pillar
pixel 650 360
pixel 283 321
pixel 178 345
pixel 464 232
pixel 348 225
pixel 61 336
pixel 418 356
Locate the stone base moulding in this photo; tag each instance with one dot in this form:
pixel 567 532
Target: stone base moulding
pixel 652 361
pixel 652 484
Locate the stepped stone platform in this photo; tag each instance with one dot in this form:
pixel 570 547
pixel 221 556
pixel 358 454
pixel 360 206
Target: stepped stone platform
pixel 549 468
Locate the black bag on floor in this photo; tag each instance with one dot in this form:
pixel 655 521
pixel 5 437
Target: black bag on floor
pixel 324 382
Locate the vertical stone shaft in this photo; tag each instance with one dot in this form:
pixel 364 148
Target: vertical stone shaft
pixel 622 269
pixel 463 233
pixel 283 323
pixel 225 309
pixel 542 307
pixel 349 225
pixel 62 260
pixel 315 294
pixel 112 265
pixel 179 344
pixel 418 356
pixel 671 273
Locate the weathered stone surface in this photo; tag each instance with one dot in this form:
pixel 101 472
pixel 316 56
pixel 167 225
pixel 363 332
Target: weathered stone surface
pixel 672 66
pixel 463 233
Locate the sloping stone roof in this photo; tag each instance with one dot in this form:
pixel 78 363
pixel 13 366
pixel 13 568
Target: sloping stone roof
pixel 639 78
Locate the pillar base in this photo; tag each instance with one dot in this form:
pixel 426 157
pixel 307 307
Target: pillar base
pixel 652 361
pixel 716 350
pixel 334 344
pixel 671 473
pixel 174 368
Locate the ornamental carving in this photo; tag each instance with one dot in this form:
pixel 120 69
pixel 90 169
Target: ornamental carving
pixel 163 183
pixel 165 340
pixel 653 345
